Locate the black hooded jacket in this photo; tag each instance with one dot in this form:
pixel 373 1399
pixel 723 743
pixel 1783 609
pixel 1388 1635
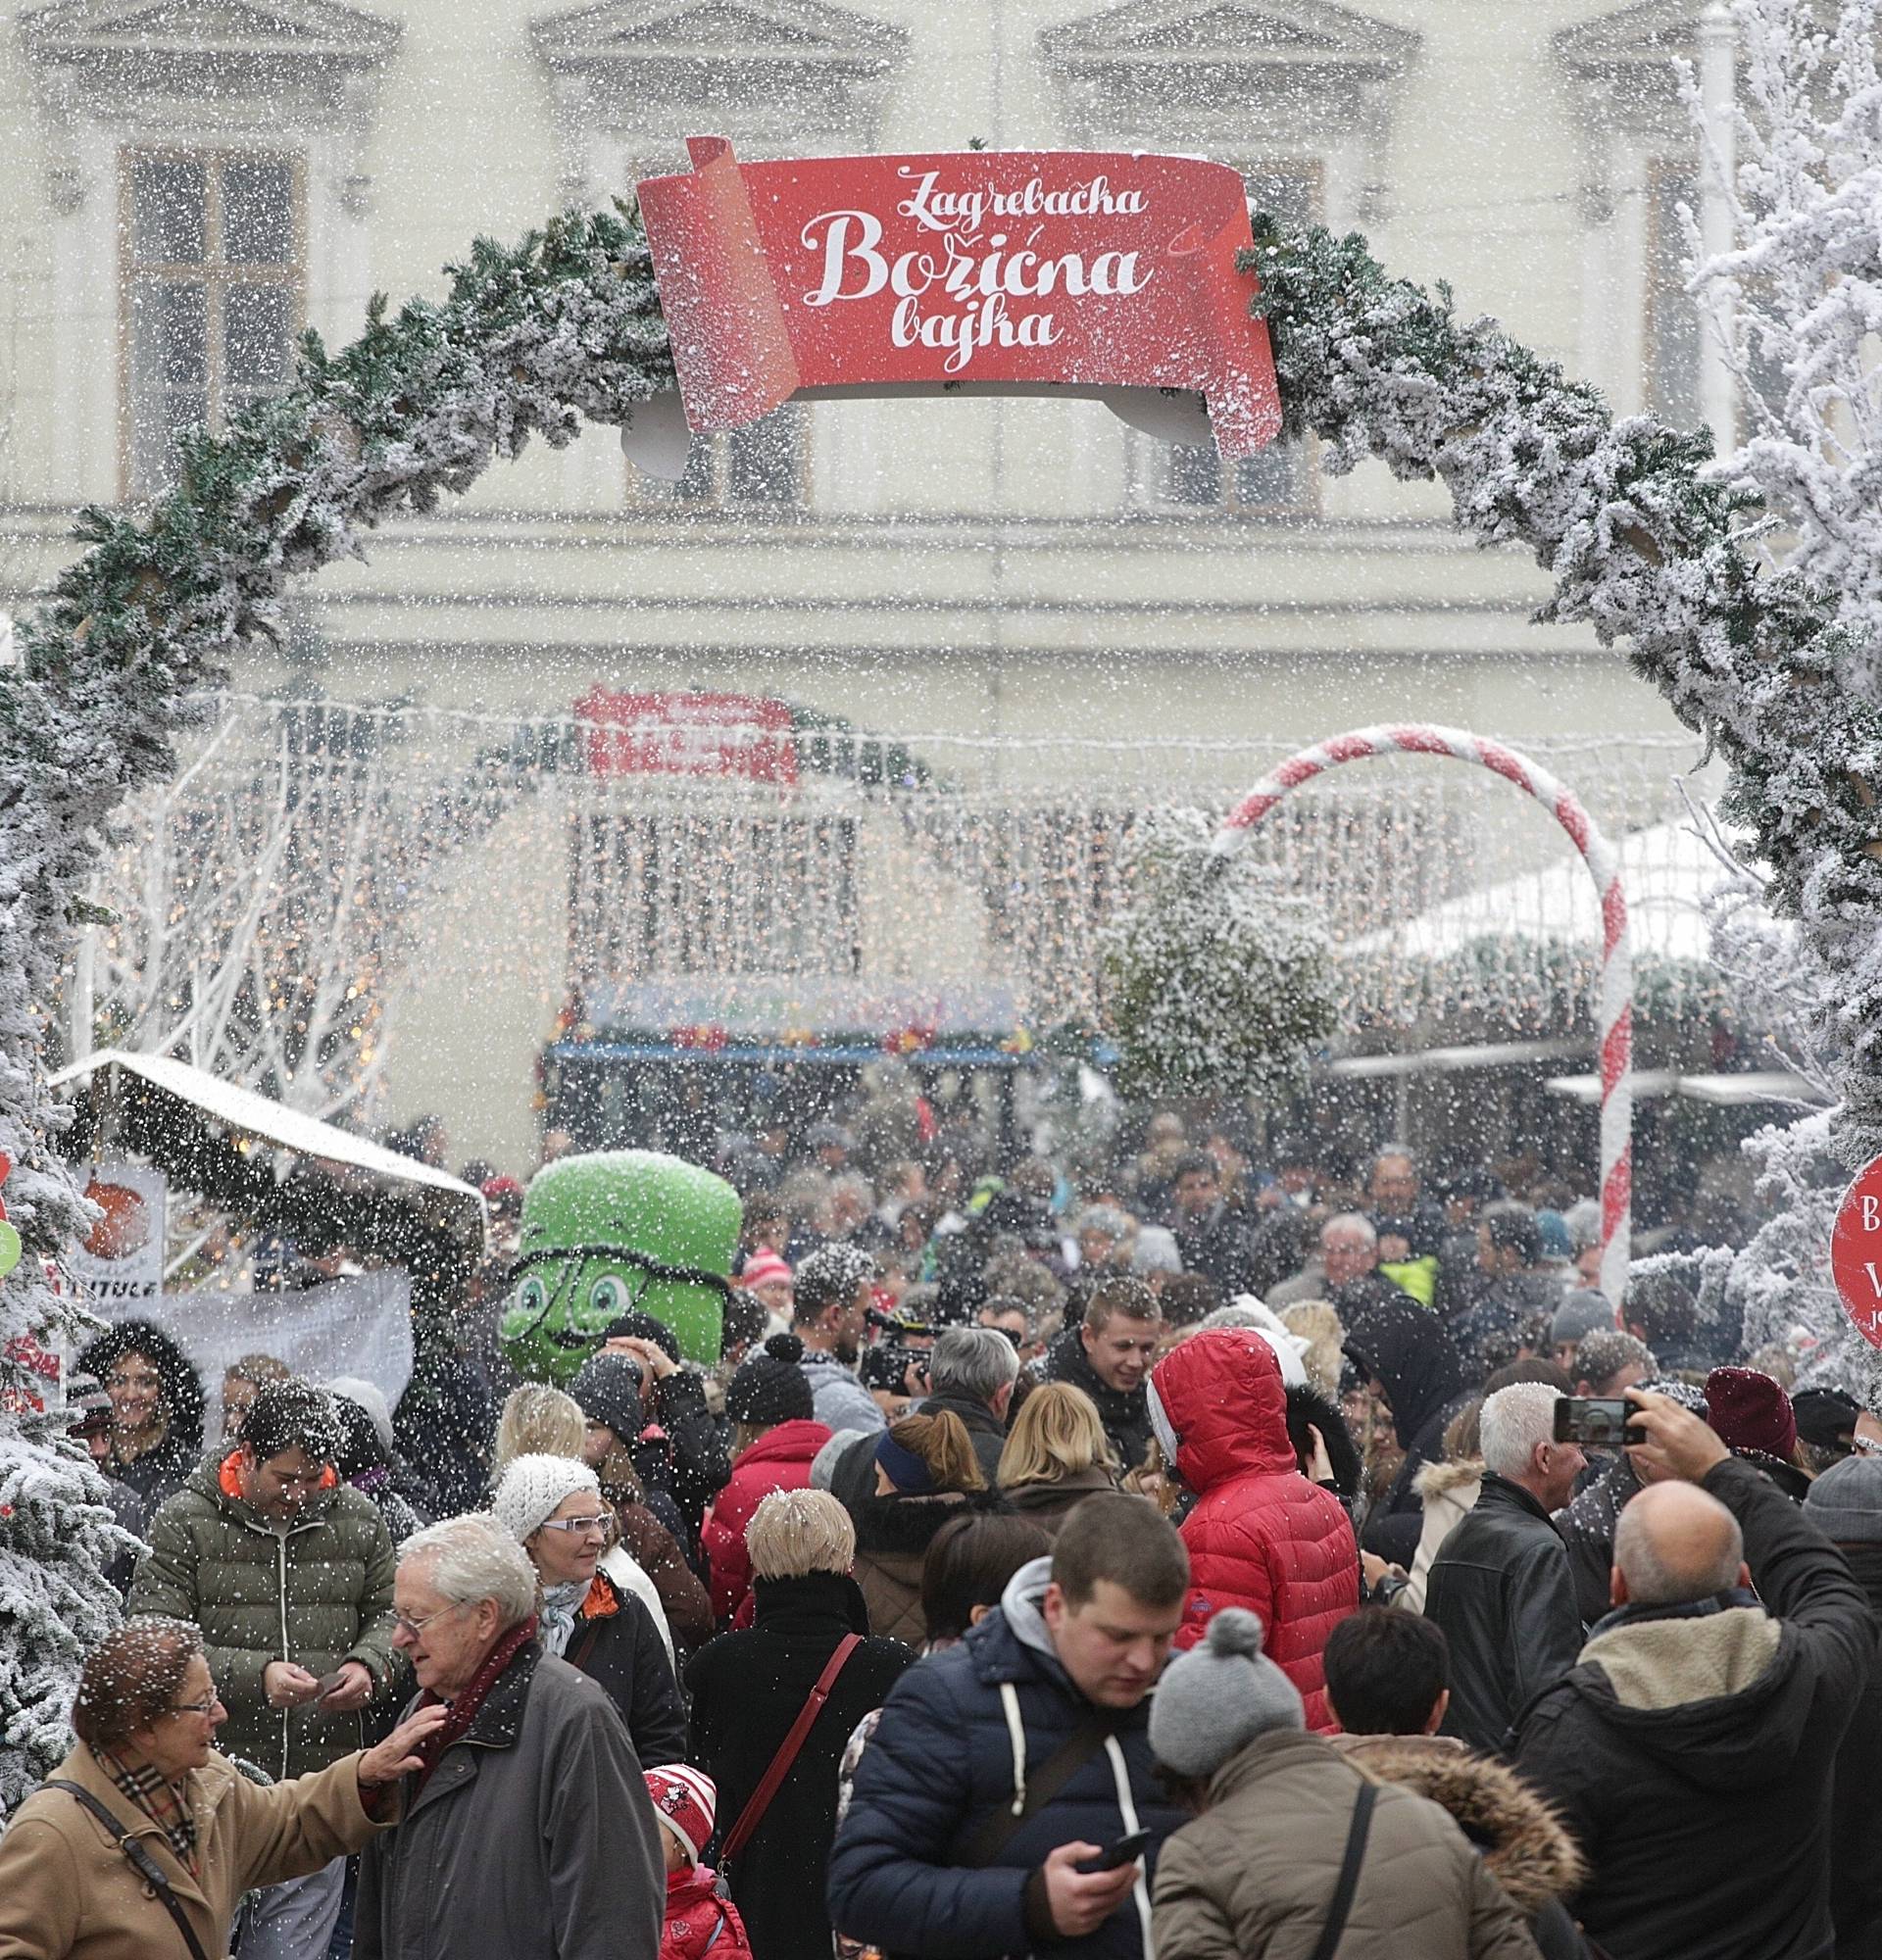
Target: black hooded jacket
pixel 1405 1348
pixel 1855 1872
pixel 1705 1817
pixel 1124 1413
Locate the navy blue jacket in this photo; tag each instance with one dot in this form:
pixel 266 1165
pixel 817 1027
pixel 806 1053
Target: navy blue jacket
pixel 942 1759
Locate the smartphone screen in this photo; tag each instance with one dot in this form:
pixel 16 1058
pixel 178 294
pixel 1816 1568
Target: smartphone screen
pixel 1596 1420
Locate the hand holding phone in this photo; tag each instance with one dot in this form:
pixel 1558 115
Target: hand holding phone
pixel 1596 1420
pixel 1115 1856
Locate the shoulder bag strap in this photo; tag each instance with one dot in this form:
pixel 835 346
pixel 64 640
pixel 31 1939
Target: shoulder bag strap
pixel 144 1864
pixel 578 1655
pixel 1349 1879
pixel 759 1802
pixel 997 1829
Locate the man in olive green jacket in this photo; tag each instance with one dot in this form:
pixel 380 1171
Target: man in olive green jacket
pixel 289 1575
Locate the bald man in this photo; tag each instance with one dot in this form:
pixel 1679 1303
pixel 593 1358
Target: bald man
pixel 1692 1746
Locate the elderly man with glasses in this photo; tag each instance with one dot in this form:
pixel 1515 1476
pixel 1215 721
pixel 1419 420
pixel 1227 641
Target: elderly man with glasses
pixel 146 1774
pixel 527 1829
pixel 553 1506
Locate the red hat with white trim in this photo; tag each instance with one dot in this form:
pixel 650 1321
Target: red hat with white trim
pixel 765 1268
pixel 686 1800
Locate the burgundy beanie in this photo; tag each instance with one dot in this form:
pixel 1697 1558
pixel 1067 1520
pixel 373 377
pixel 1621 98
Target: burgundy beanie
pixel 1750 1411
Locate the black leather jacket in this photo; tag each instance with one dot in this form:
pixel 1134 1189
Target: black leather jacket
pixel 1501 1590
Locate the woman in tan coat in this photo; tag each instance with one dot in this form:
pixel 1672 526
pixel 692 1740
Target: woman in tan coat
pixel 1255 1875
pixel 146 1717
pixel 925 1473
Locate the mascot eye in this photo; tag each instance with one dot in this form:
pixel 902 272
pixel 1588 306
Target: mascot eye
pixel 530 1296
pixel 608 1295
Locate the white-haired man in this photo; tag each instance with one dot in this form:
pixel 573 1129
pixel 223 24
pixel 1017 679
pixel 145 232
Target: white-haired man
pixel 529 1831
pixel 1501 1586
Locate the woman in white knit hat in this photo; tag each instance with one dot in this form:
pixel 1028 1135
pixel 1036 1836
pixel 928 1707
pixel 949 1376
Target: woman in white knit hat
pixel 552 1505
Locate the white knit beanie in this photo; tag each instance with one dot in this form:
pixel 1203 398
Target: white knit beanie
pixel 532 1488
pixel 371 1400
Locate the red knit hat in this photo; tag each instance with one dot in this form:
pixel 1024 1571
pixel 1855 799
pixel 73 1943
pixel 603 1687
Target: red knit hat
pixel 765 1268
pixel 685 1800
pixel 1750 1411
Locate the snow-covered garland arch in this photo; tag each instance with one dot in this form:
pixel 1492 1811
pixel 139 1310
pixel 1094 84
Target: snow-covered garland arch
pixel 1616 1008
pixel 566 327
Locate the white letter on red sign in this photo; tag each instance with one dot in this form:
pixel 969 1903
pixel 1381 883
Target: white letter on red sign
pixel 837 248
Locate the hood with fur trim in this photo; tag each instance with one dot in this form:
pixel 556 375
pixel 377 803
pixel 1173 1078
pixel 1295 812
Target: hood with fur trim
pixel 1440 1479
pixel 1525 1847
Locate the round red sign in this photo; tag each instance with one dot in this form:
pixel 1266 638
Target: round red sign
pixel 1855 1252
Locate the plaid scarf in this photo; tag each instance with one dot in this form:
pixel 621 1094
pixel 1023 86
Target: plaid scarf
pixel 157 1798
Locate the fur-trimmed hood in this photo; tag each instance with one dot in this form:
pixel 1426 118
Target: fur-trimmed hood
pixel 1440 1479
pixel 906 1525
pixel 1525 1847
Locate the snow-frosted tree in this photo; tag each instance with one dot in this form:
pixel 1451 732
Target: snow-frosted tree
pixel 1802 288
pixel 62 768
pixel 1217 978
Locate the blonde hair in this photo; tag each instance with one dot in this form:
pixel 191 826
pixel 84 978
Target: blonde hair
pixel 538 1420
pixel 1316 1323
pixel 795 1533
pixel 942 1443
pixel 256 1369
pixel 1056 1434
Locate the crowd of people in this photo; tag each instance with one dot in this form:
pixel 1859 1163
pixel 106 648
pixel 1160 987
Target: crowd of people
pixel 1189 1561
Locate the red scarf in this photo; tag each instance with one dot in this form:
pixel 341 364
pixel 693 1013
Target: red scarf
pixel 465 1706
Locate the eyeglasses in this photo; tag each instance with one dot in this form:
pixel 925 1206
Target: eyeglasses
pixel 207 1707
pixel 580 1526
pixel 405 1622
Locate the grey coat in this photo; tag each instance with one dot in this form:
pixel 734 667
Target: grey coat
pixel 534 1837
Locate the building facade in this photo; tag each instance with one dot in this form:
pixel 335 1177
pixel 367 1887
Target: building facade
pixel 188 183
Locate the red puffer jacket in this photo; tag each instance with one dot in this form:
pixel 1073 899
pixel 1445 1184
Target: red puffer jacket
pixel 1260 1534
pixel 779 1460
pixel 699 1923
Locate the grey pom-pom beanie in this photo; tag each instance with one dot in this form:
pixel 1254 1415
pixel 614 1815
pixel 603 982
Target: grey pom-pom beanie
pixel 1217 1697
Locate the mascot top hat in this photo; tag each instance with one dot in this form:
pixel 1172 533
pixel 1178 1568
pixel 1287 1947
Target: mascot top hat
pixel 612 1231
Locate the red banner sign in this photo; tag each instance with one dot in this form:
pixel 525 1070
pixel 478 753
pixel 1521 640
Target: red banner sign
pixel 740 735
pixel 1012 268
pixel 1856 1253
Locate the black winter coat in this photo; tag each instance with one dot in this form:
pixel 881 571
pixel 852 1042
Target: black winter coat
pixel 1502 1592
pixel 1124 1413
pixel 1855 1872
pixel 1706 1821
pixel 985 1431
pixel 620 1649
pixel 747 1690
pixel 1587 1529
pixel 1221 1246
pixel 1403 1346
pixel 1489 1332
pixel 942 1760
pixel 702 1465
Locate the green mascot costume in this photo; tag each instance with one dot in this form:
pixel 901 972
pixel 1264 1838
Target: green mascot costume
pixel 616 1229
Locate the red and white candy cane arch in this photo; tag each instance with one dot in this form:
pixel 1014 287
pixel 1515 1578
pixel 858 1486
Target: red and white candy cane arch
pixel 1617 954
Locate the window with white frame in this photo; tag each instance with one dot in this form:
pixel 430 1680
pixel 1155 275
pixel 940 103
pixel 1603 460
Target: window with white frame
pixel 212 294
